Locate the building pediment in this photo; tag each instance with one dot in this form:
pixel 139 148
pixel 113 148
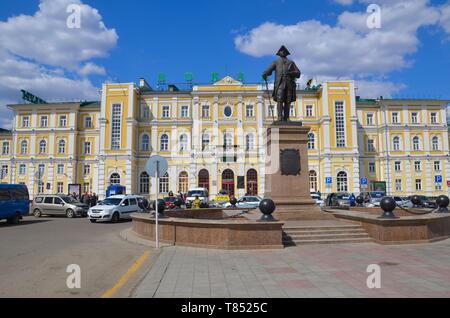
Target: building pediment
pixel 227 81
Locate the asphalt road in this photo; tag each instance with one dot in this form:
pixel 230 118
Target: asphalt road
pixel 35 254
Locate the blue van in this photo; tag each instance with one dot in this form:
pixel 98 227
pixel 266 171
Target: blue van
pixel 14 202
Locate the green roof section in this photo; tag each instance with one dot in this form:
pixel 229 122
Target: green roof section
pixel 4 131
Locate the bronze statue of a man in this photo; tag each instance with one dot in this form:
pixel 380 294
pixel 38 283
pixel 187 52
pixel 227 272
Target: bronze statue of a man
pixel 285 89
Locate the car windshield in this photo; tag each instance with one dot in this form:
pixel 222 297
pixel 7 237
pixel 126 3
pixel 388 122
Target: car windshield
pixel 111 201
pixel 377 195
pixel 194 193
pixel 69 200
pixel 170 199
pixel 343 196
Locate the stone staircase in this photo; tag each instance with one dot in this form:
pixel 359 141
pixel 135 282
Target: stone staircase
pixel 302 234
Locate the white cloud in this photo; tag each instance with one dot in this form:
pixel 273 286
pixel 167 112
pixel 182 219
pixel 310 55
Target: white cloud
pixel 376 88
pixel 349 49
pixel 41 54
pixel 344 2
pixel 445 17
pixel 90 69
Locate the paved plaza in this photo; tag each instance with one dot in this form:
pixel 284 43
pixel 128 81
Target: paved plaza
pixel 302 271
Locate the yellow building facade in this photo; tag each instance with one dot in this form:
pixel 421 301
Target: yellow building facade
pixel 214 136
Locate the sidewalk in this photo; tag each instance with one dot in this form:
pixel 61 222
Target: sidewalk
pixel 305 271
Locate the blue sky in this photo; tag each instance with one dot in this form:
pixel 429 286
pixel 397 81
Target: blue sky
pixel 174 37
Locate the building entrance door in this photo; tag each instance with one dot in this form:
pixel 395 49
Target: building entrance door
pixel 228 181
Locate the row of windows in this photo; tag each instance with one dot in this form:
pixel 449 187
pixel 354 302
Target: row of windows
pixel 395 118
pixel 398 166
pixel 206 140
pixel 418 185
pixel 416 143
pixel 44 121
pixel 60 169
pixel 43 147
pixel 227 111
pixel 228 181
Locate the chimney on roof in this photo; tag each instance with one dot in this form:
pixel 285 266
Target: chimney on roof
pixel 143 83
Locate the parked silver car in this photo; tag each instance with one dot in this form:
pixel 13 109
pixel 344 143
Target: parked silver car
pixel 246 202
pixel 58 205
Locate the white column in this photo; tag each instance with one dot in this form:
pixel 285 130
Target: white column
pixel 129 176
pixel 31 179
pixel 429 179
pixel 409 181
pixel 101 179
pixel 50 178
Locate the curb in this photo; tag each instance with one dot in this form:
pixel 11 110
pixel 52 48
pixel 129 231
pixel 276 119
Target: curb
pixel 130 236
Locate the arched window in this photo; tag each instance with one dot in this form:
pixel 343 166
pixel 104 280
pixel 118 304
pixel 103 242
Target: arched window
pixel 313 181
pixel 145 143
pixel 24 147
pixel 342 182
pixel 164 143
pixel 416 143
pixel 249 142
pixel 164 184
pixel 183 182
pixel 144 183
pixel 61 147
pixel 435 143
pixel 252 182
pixel 183 142
pixel 203 179
pixel 228 181
pixel 311 141
pixel 114 179
pixel 396 143
pixel 42 147
pixel 206 140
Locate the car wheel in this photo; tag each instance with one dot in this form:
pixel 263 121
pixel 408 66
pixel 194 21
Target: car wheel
pixel 115 218
pixel 93 221
pixel 37 213
pixel 14 220
pixel 70 214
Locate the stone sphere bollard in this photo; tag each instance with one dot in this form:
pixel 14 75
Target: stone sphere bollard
pixel 233 202
pixel 415 199
pixel 178 203
pixel 267 207
pixel 360 200
pixel 161 207
pixel 388 205
pixel 442 202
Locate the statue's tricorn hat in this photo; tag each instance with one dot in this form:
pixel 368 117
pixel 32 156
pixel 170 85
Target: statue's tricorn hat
pixel 283 48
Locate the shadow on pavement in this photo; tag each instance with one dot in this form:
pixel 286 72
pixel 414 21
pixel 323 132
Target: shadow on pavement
pixel 22 223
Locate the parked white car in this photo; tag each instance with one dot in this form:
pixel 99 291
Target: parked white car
pixel 114 208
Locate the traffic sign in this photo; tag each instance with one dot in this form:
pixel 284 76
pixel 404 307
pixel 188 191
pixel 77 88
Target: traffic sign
pixel 448 184
pixel 438 179
pixel 364 181
pixel 156 163
pixel 328 180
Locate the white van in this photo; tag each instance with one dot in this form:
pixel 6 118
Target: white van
pixel 202 194
pixel 114 209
